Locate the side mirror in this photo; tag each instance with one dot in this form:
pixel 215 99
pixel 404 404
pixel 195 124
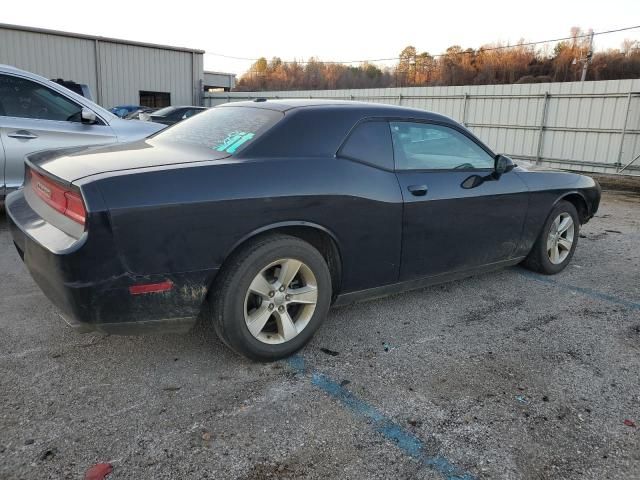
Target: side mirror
pixel 88 117
pixel 502 165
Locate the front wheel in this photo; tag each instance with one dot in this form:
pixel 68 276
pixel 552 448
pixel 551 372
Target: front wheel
pixel 271 297
pixel 557 242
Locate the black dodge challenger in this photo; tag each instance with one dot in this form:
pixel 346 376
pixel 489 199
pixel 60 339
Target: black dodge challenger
pixel 259 215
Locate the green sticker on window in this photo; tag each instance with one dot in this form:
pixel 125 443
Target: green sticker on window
pixel 244 139
pixel 234 141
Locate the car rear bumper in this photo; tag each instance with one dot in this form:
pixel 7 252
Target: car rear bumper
pixel 101 301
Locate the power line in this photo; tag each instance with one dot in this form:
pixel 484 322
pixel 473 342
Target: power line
pixel 464 52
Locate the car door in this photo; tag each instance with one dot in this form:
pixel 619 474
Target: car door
pixel 35 117
pixel 448 226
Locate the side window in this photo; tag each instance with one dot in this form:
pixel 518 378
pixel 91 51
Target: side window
pixel 370 142
pixel 26 99
pixel 423 146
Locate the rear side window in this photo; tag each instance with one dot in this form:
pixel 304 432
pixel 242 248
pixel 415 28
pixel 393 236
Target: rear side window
pixel 164 111
pixel 223 129
pixel 370 142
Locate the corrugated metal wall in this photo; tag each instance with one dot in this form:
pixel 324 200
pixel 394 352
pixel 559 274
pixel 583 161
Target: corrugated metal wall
pixel 122 72
pixel 584 126
pixel 127 69
pixel 220 79
pixel 51 56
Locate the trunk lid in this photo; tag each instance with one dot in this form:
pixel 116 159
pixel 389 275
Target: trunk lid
pixel 70 164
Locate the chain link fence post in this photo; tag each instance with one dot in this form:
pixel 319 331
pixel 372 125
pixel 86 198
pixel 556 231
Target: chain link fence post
pixel 464 109
pixel 543 121
pixel 623 132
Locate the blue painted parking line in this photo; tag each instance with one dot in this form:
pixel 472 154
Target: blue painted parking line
pixel 405 440
pixel 583 290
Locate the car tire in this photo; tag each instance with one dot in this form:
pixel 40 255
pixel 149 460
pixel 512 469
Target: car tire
pixel 256 282
pixel 556 245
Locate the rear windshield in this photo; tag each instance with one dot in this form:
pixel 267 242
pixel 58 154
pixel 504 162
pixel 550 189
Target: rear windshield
pixel 164 111
pixel 223 129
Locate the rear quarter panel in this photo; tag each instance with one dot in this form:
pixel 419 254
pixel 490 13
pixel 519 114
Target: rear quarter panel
pixel 191 218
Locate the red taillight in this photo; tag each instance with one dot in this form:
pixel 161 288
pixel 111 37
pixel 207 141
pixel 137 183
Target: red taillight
pixel 75 207
pixel 64 200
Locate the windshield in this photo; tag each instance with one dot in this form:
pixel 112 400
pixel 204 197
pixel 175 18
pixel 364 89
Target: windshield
pixel 224 129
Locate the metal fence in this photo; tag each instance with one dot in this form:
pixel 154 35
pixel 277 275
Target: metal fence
pixel 583 126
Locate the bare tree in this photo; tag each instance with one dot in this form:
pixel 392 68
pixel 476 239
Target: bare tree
pixel 489 64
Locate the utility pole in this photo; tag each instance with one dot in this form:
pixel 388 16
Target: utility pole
pixel 587 60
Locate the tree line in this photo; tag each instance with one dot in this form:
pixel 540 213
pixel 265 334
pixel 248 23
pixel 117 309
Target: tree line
pixel 489 64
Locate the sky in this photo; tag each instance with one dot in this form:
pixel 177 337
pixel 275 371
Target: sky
pixel 331 30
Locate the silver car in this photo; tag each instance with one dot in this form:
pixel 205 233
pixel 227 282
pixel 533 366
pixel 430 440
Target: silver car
pixel 38 114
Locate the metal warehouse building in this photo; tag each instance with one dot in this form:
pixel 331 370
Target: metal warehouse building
pixel 219 81
pixel 117 71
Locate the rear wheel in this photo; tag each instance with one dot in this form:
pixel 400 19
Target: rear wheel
pixel 557 242
pixel 271 297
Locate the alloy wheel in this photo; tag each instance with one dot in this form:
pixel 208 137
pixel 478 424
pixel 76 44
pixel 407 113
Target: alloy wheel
pixel 280 301
pixel 560 238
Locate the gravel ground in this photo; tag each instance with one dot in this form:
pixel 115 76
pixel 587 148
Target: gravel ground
pixel 505 375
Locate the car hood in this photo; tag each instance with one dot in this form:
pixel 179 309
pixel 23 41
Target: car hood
pixel 527 166
pixel 71 164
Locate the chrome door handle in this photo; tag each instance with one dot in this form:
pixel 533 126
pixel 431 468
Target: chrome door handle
pixel 23 134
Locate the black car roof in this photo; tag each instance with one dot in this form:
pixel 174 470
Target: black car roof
pixel 317 128
pixel 364 108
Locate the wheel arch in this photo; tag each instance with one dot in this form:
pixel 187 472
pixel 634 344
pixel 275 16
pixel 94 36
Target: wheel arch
pixel 320 237
pixel 578 200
